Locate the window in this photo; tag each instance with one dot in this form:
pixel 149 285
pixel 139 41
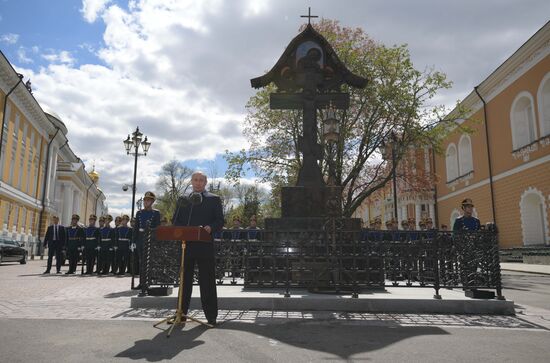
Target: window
pixel 533 217
pixel 32 151
pixel 465 155
pixel 522 121
pixel 543 98
pixel 451 161
pixel 22 156
pixel 5 136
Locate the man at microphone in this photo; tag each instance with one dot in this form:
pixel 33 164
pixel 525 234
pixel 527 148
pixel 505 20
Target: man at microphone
pixel 203 209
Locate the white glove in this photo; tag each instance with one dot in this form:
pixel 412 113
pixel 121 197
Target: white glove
pixel 133 246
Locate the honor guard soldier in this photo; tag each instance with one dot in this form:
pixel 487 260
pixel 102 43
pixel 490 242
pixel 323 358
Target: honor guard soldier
pixel 203 209
pixel 144 216
pixel 92 243
pixel 123 238
pixel 106 244
pixel 75 241
pixel 467 221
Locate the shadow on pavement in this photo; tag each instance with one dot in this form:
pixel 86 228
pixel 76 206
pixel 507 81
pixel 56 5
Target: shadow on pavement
pixel 125 293
pixel 161 348
pixel 337 339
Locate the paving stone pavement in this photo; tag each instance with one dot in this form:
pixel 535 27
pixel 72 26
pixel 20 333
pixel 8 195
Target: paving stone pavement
pixel 27 294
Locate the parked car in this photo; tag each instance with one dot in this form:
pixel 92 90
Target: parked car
pixel 12 251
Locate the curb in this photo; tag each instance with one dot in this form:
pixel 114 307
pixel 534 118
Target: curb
pixel 402 306
pixel 524 271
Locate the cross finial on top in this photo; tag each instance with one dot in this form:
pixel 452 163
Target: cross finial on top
pixel 308 16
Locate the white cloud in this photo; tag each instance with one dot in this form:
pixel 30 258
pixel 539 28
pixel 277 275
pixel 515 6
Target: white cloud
pixel 9 38
pixel 22 56
pixel 181 70
pixel 91 9
pixel 63 57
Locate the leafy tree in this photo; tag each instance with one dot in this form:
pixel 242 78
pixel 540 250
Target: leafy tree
pixel 398 99
pixel 173 182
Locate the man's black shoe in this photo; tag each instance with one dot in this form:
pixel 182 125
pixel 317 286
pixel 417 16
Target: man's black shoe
pixel 58 272
pixel 212 322
pixel 46 272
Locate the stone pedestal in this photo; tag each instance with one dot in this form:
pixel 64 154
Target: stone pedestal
pixel 304 202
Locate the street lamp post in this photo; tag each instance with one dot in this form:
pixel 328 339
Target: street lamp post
pixel 394 140
pixel 133 143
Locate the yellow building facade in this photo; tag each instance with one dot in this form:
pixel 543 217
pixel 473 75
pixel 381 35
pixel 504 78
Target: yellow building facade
pixel 504 165
pixel 39 173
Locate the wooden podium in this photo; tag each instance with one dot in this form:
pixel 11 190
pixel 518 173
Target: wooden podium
pixel 183 234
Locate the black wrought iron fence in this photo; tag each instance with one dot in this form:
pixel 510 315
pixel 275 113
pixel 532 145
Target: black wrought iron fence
pixel 339 260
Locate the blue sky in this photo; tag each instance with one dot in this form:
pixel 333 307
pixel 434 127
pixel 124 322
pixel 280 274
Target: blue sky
pixel 50 25
pixel 180 69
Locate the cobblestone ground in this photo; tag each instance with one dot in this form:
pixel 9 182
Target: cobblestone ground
pixel 28 294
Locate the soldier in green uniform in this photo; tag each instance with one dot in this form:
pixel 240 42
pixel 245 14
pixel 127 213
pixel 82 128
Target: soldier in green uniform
pixel 75 240
pixel 143 217
pixel 92 242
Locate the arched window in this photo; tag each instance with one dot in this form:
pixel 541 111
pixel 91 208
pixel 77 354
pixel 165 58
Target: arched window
pixel 522 121
pixel 465 155
pixel 533 217
pixel 451 162
pixel 543 98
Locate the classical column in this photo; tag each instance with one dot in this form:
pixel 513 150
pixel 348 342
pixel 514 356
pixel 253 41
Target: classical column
pixel 403 214
pixel 418 214
pixel 76 202
pixel 50 176
pixel 67 204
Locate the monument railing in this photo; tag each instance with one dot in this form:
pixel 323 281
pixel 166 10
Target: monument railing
pixel 339 260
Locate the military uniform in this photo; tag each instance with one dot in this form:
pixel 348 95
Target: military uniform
pixel 106 245
pixel 143 217
pixel 467 223
pixel 91 245
pixel 123 237
pixel 75 241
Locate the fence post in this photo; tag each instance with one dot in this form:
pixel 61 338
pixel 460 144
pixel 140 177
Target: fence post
pixel 438 263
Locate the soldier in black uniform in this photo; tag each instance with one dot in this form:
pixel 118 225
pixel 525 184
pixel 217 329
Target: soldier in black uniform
pixel 75 240
pixel 208 213
pixel 92 242
pixel 147 214
pixel 123 237
pixel 106 244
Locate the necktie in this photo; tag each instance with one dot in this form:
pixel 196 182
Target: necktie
pixel 55 232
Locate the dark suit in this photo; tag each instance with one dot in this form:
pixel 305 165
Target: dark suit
pixel 208 213
pixel 75 240
pixel 55 241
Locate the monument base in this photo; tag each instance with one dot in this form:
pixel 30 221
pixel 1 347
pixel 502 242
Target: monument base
pixel 479 294
pixel 311 201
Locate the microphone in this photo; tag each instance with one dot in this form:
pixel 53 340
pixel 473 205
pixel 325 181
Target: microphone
pixel 183 202
pixel 195 199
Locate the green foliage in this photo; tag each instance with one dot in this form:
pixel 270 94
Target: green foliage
pixel 396 100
